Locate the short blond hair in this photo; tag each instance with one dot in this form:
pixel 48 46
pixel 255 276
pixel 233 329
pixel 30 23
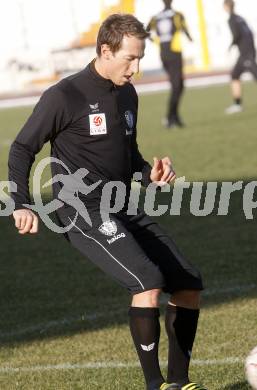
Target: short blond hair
pixel 115 27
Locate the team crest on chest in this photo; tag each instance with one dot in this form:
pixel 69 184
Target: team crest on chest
pixel 130 122
pixel 129 119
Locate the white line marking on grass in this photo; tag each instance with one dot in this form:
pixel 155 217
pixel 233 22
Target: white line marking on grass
pixel 41 328
pixel 189 83
pixel 218 362
pixel 227 290
pixel 141 88
pixel 103 365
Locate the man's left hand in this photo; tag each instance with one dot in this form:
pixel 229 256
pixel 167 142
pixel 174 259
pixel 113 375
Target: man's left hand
pixel 162 171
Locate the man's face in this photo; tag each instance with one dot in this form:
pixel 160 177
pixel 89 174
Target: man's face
pixel 226 7
pixel 124 63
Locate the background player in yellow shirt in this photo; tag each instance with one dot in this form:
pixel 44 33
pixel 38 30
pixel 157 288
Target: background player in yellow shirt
pixel 168 25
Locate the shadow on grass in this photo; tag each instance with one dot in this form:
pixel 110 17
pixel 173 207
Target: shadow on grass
pixel 237 386
pixel 47 288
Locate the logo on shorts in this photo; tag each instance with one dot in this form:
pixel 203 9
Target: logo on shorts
pixel 115 238
pixel 248 63
pixel 109 228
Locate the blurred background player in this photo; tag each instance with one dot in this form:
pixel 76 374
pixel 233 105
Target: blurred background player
pixel 168 25
pixel 243 39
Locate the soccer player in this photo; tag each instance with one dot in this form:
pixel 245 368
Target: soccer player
pixel 168 25
pixel 243 39
pixel 90 119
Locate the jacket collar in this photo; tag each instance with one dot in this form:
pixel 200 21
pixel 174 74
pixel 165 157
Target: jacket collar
pixel 101 81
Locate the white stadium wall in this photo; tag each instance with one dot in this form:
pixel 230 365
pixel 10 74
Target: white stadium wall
pixel 217 32
pixel 32 29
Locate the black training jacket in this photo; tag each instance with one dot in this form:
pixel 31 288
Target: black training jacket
pixel 90 123
pixel 242 35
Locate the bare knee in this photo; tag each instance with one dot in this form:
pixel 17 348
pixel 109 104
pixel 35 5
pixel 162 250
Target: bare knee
pixel 148 298
pixel 189 299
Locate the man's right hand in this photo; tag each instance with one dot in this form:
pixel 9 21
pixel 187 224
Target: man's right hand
pixel 26 221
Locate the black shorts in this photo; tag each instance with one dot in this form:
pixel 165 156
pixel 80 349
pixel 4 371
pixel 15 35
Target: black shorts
pixel 135 251
pixel 244 64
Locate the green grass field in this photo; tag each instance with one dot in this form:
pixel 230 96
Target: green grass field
pixel 63 324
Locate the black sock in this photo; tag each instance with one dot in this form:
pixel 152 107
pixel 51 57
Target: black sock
pixel 238 101
pixel 145 331
pixel 181 327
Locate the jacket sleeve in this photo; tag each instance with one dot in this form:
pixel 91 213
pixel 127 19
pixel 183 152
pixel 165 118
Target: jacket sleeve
pixel 185 27
pixel 235 31
pixel 138 162
pixel 140 165
pixel 46 119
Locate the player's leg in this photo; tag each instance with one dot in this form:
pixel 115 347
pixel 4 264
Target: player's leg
pixel 145 330
pixel 181 320
pixel 236 88
pixel 174 69
pixel 253 68
pixel 184 284
pixel 167 65
pixel 177 81
pixel 113 249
